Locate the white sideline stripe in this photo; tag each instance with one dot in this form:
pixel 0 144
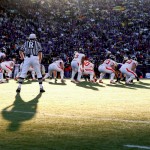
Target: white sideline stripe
pixel 137 146
pixel 81 117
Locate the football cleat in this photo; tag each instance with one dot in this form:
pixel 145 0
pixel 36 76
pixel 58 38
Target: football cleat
pixel 129 83
pixel 55 80
pixel 73 81
pixel 112 82
pixel 18 90
pixel 95 79
pixel 100 81
pixel 42 90
pixel 62 81
pixel 7 80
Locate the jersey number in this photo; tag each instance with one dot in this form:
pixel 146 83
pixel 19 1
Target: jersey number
pixel 86 63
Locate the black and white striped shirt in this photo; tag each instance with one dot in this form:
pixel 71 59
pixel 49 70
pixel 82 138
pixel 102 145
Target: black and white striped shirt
pixel 31 47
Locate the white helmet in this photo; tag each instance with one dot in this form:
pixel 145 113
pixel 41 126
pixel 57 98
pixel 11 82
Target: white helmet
pixel 75 52
pixel 32 36
pixel 81 50
pixel 125 58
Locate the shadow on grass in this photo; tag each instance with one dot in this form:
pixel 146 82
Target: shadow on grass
pixel 131 86
pixel 28 81
pixel 121 85
pixel 147 84
pixel 138 86
pixel 89 85
pixel 27 111
pixel 56 83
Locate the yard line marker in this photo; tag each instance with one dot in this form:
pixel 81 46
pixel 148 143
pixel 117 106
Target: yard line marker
pixel 137 146
pixel 81 117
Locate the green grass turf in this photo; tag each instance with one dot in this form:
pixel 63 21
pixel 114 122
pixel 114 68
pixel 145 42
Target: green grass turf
pixel 67 116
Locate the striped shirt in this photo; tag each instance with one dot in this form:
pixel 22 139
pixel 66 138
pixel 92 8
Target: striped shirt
pixel 31 47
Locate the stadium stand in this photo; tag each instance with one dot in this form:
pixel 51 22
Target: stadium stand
pixel 121 27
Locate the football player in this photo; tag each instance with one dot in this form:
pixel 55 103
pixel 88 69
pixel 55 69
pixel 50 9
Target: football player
pixel 8 67
pixel 77 65
pixel 88 70
pixel 56 66
pixel 129 69
pixel 108 66
pixel 1 75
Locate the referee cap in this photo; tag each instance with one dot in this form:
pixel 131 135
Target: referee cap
pixel 32 36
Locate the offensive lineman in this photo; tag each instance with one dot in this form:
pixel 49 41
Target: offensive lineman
pixel 56 66
pixel 129 69
pixel 31 53
pixel 8 67
pixel 108 66
pixel 89 70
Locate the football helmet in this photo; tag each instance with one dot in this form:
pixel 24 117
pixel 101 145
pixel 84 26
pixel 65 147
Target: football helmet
pixel 75 52
pixel 112 57
pixel 134 58
pixel 125 58
pixel 81 50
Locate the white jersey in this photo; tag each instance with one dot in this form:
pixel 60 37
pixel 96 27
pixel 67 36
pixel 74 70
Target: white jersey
pixel 78 57
pixel 9 63
pixel 129 63
pixel 109 63
pixel 88 66
pixel 58 62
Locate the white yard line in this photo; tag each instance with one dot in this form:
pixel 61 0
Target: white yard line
pixel 137 146
pixel 82 117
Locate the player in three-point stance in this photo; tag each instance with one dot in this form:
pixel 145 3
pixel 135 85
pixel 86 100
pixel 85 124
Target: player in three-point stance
pixel 8 66
pixel 56 66
pixel 129 69
pixel 89 70
pixel 108 66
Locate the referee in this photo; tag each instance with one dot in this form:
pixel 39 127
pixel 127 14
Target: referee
pixel 31 53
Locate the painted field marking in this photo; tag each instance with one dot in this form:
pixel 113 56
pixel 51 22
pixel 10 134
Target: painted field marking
pixel 81 117
pixel 137 146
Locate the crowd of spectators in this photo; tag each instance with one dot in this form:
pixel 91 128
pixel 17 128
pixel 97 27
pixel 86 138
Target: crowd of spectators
pixel 64 26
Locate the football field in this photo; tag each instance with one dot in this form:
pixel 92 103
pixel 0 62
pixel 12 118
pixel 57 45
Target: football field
pixel 86 116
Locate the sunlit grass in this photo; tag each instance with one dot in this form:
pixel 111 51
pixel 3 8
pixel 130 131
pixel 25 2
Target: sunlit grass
pixel 70 116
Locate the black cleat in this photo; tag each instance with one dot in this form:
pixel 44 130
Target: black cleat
pixel 18 90
pixel 7 80
pixel 42 90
